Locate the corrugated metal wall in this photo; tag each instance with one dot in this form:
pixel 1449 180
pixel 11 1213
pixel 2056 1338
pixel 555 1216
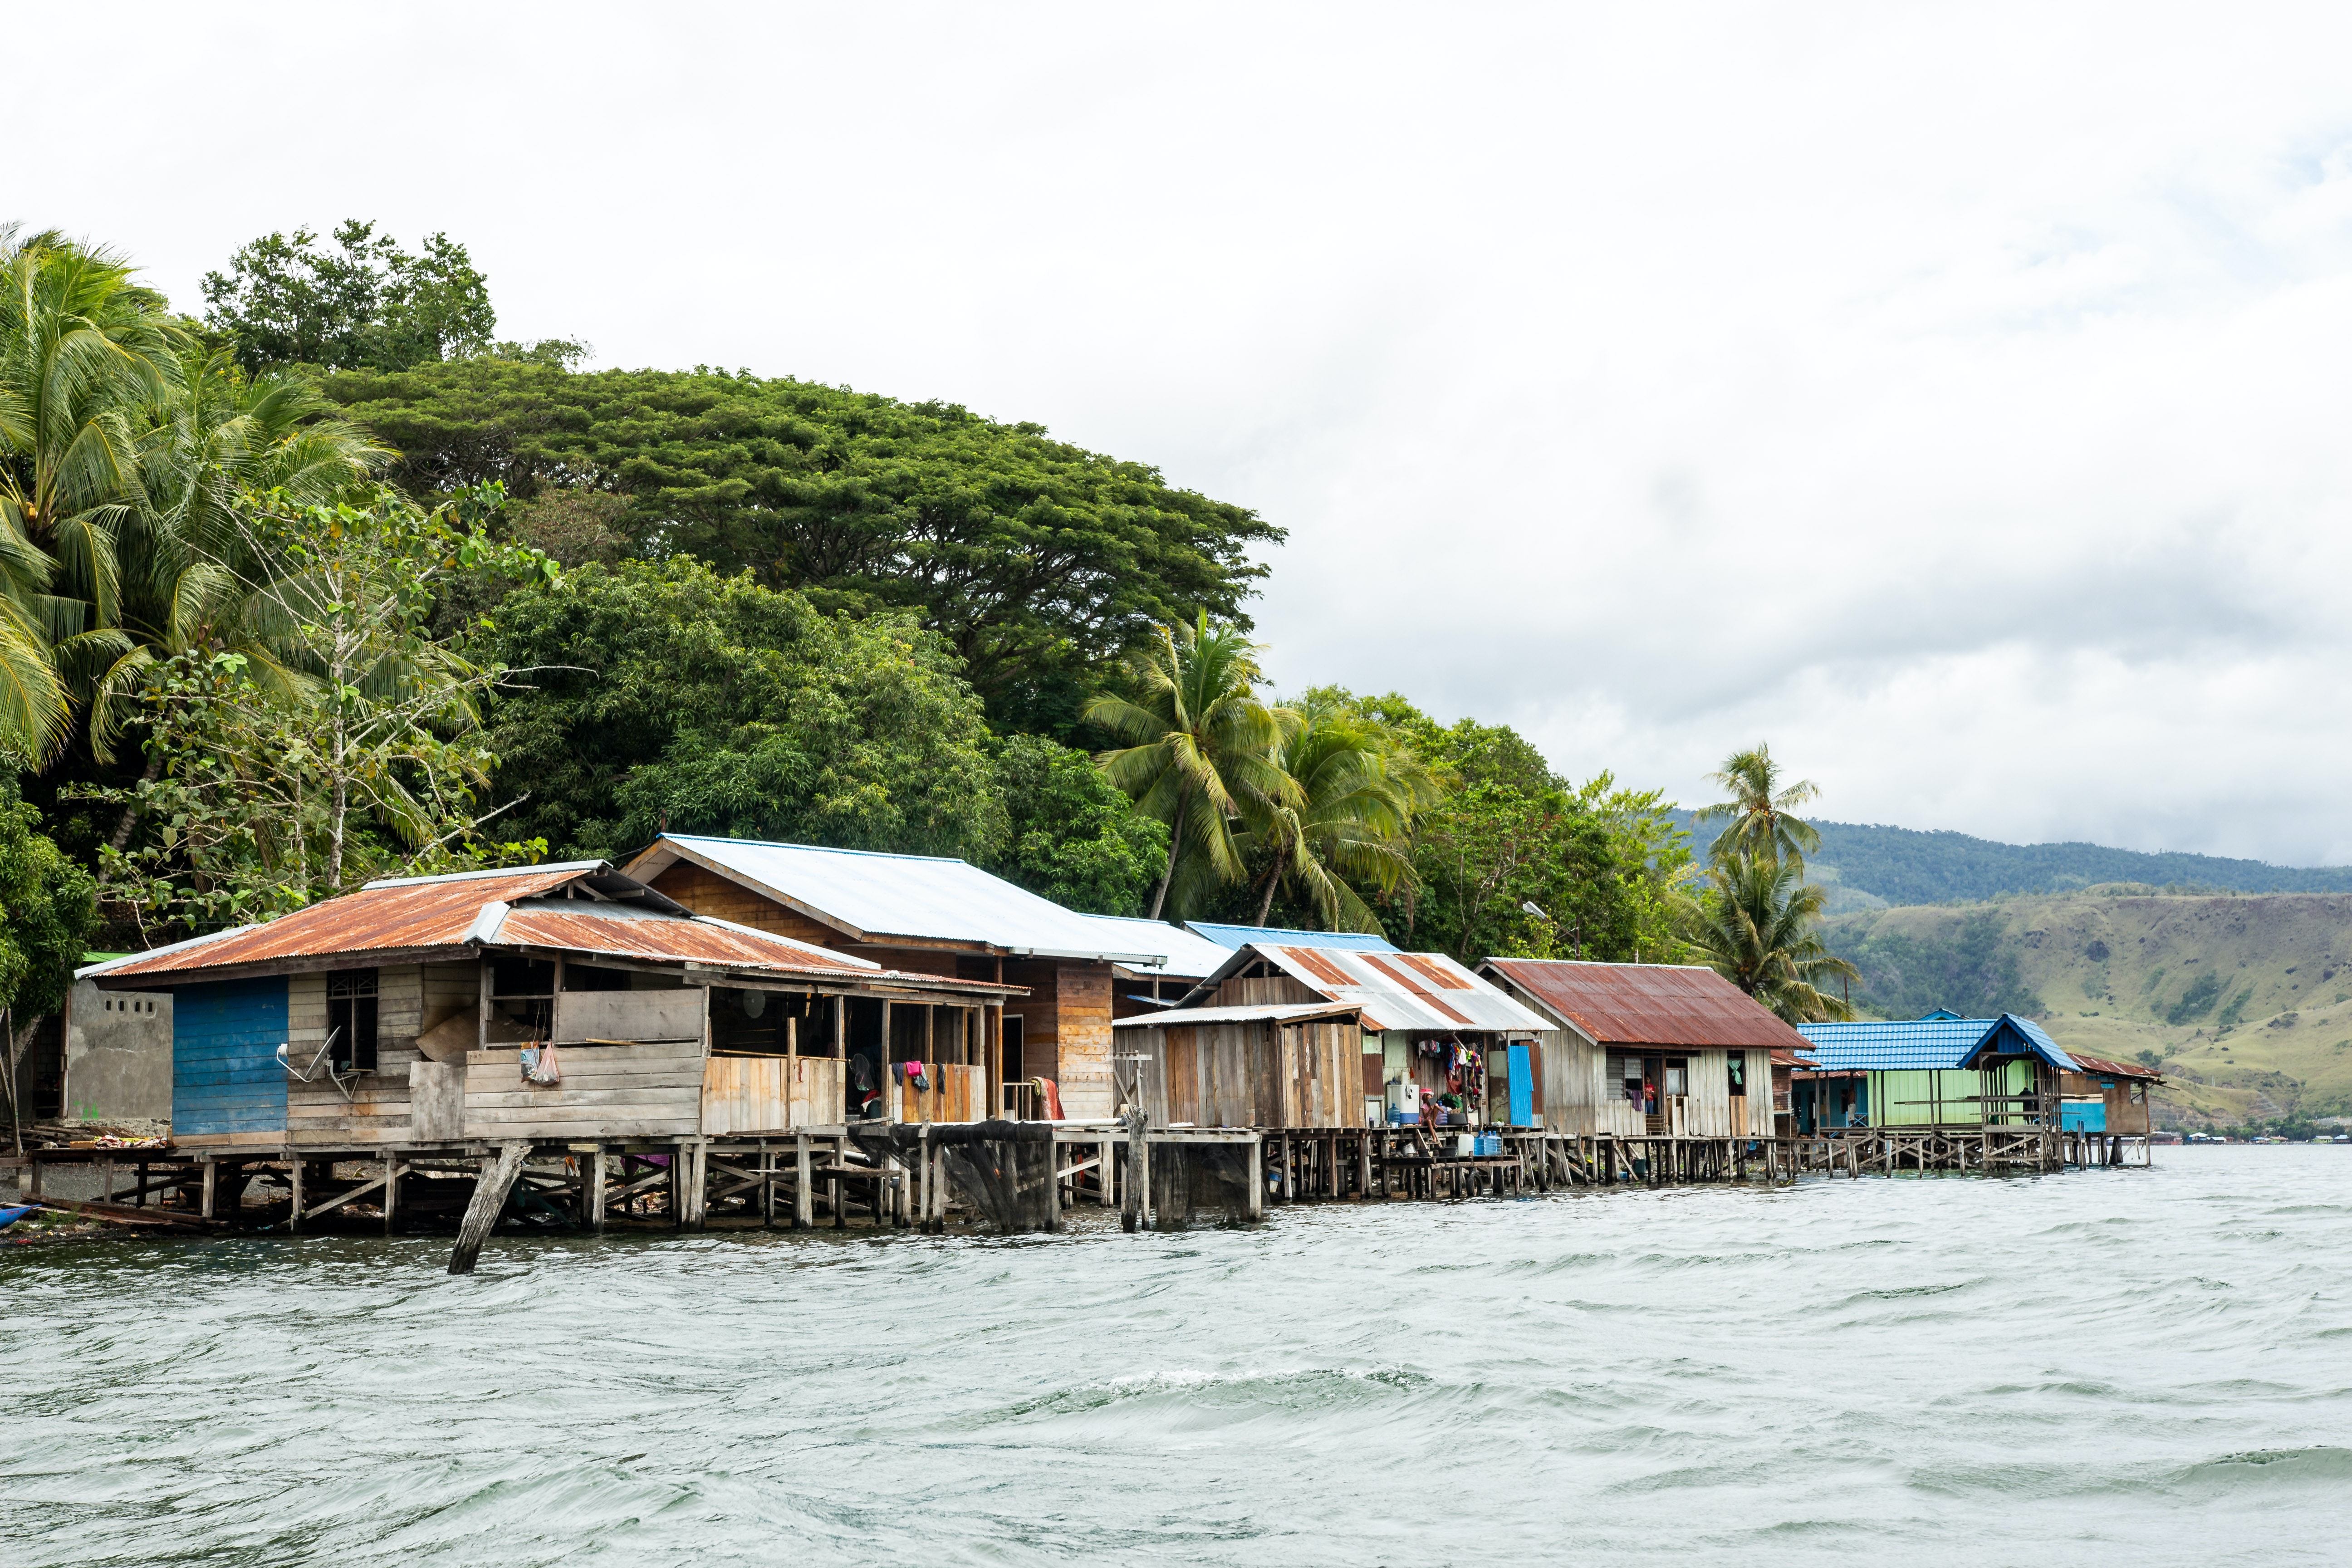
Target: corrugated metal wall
pixel 225 1076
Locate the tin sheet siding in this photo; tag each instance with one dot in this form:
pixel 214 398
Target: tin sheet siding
pixel 225 1071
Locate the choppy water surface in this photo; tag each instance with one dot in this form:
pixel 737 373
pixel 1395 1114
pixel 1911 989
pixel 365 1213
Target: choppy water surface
pixel 1953 1369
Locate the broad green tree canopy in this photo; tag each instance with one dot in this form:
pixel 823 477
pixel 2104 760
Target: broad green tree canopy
pixel 666 695
pixel 1038 562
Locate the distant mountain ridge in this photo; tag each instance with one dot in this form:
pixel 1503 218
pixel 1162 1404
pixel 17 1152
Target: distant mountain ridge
pixel 1870 864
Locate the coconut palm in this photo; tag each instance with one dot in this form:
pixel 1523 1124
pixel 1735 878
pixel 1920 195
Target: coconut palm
pixel 191 574
pixel 1200 753
pixel 1756 923
pixel 82 350
pixel 1359 790
pixel 1759 811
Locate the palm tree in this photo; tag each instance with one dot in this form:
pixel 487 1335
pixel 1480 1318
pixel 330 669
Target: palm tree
pixel 82 350
pixel 1759 810
pixel 1756 923
pixel 191 575
pixel 1200 753
pixel 1359 791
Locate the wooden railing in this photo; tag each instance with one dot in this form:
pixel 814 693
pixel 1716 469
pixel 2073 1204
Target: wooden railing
pixel 771 1094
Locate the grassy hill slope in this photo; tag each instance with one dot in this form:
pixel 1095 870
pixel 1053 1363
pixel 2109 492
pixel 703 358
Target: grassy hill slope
pixel 2247 999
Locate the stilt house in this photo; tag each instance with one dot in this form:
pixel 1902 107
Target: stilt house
pixel 2106 1097
pixel 934 916
pixel 1297 1035
pixel 1649 1050
pixel 557 1002
pixel 1934 1072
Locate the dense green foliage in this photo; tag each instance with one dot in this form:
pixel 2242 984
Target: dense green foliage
pixel 287 299
pixel 47 910
pixel 1039 562
pixel 1905 866
pixel 1601 863
pixel 1072 836
pixel 338 742
pixel 668 695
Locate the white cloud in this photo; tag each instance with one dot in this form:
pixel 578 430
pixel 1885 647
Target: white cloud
pixel 1954 397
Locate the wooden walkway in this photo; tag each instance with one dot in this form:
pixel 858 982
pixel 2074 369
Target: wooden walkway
pixel 912 1176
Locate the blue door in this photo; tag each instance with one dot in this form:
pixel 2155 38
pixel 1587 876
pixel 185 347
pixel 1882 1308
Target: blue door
pixel 225 1076
pixel 1523 1088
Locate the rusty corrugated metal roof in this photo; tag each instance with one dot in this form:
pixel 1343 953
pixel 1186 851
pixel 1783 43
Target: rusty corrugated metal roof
pixel 1649 1004
pixel 1397 990
pixel 433 912
pixel 599 928
pixel 2100 1067
pixel 422 917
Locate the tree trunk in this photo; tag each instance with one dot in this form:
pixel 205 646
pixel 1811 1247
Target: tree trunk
pixel 1175 842
pixel 12 1044
pixel 130 813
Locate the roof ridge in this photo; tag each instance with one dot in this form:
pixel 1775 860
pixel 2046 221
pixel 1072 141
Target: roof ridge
pixel 830 850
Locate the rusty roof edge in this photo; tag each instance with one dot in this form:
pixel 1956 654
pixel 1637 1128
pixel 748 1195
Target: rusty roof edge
pixel 576 867
pixel 849 959
pixel 94 971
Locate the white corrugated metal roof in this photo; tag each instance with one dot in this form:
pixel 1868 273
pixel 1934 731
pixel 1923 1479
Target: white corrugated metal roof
pixel 875 897
pixel 1281 1011
pixel 1410 991
pixel 1189 956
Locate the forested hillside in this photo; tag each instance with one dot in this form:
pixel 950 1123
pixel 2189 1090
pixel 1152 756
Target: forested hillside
pixel 2245 999
pixel 1867 864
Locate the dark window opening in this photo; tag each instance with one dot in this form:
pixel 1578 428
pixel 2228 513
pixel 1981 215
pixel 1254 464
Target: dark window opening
pixel 350 1018
pixel 1738 1065
pixel 522 977
pixel 589 977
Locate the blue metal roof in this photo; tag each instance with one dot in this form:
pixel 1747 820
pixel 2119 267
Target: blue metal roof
pixel 1242 936
pixel 1930 1042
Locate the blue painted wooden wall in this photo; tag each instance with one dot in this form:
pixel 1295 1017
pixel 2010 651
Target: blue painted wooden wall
pixel 226 1077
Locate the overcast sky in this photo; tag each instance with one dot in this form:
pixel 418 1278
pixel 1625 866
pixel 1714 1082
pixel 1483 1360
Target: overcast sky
pixel 1955 396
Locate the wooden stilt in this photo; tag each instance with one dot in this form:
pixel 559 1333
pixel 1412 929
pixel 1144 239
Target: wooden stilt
pixel 597 1172
pixel 804 1196
pixel 391 1204
pixel 293 1221
pixel 210 1167
pixel 495 1181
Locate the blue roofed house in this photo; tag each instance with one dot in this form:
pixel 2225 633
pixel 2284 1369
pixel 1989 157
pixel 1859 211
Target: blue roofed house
pixel 1940 1072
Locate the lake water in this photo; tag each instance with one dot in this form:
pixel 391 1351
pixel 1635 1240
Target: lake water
pixel 2148 1367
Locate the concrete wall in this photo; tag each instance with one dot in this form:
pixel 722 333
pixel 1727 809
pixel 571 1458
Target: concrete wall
pixel 118 1055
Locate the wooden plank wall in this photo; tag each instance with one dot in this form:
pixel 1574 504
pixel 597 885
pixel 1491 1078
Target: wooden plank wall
pixel 770 1094
pixel 1038 1013
pixel 1258 1074
pixel 1082 1037
pixel 608 1092
pixel 707 893
pixel 1272 990
pixel 377 1110
pixel 957 1094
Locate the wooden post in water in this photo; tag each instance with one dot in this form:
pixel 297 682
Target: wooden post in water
pixel 1133 1209
pixel 492 1187
pixel 293 1220
pixel 210 1165
pixel 803 1196
pixel 597 1173
pixel 391 1203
